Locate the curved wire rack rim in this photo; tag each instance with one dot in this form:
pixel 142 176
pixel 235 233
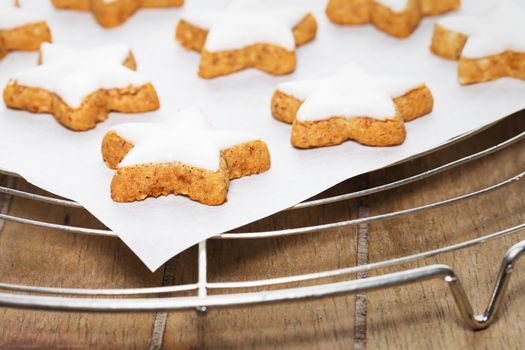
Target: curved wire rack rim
pixel 309 229
pixel 286 232
pixel 265 282
pixel 40 198
pixel 401 278
pixel 177 303
pixel 412 179
pixel 217 300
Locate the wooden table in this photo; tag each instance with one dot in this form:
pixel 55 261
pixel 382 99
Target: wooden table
pixel 423 315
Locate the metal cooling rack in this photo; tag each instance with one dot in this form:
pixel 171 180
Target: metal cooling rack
pixel 154 299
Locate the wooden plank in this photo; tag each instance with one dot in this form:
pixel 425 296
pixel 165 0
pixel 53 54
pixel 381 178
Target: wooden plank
pixel 35 256
pixel 316 324
pixel 425 315
pixel 362 256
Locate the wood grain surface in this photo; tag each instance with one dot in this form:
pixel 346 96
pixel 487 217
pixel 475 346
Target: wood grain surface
pixel 418 316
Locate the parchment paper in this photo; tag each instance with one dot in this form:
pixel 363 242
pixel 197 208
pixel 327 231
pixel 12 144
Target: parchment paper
pixel 69 164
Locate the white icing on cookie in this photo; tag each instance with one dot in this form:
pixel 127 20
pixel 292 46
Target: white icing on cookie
pixel 52 53
pixel 350 93
pixel 185 138
pixel 13 17
pixel 394 5
pixel 247 22
pixel 499 30
pixel 73 77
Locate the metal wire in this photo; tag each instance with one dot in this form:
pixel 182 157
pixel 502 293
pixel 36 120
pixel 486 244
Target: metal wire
pixel 411 179
pixel 203 285
pixel 401 278
pixel 309 229
pixel 37 197
pixel 287 232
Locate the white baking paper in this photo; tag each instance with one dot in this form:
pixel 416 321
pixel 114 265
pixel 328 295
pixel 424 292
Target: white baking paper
pixel 69 163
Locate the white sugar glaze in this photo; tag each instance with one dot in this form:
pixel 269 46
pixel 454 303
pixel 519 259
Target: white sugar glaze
pixel 350 93
pixel 395 5
pixel 247 22
pixel 499 30
pixel 185 138
pixel 73 76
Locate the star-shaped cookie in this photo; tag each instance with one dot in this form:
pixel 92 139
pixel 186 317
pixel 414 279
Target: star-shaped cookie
pixel 351 105
pixel 398 18
pixel 112 13
pixel 20 30
pixel 247 34
pixel 182 155
pixel 488 46
pixel 80 88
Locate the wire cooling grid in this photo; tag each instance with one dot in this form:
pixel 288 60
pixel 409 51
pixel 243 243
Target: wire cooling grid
pixel 125 300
